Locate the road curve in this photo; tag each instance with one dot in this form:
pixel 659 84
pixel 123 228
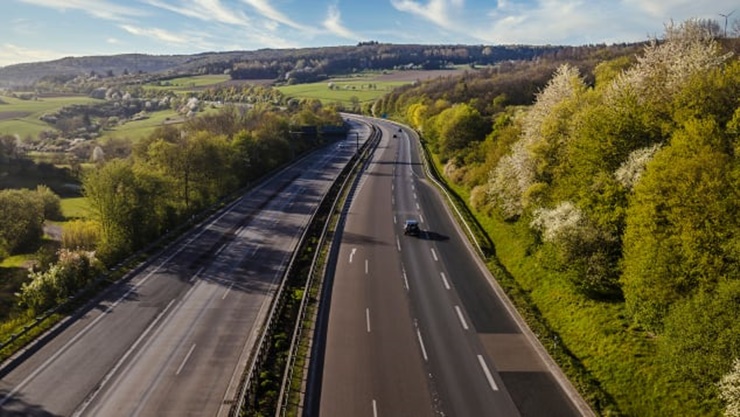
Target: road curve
pixel 415 326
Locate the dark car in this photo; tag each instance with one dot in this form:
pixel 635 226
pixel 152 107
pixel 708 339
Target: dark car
pixel 411 228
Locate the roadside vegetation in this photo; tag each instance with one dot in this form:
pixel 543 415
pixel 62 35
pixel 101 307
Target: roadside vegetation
pixel 610 191
pixel 131 194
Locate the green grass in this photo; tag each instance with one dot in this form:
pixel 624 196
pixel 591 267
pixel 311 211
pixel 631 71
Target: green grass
pixel 75 208
pixel 187 83
pixel 345 89
pixel 21 117
pixel 142 128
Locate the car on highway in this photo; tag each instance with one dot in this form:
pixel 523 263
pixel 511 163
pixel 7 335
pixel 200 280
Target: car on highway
pixel 411 228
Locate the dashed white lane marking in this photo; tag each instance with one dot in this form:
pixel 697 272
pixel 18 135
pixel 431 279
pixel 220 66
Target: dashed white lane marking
pixel 367 319
pixel 405 280
pixel 421 343
pixel 352 254
pixel 184 361
pixel 444 280
pixel 486 371
pixel 375 409
pixel 461 317
pixel 367 267
pixel 434 254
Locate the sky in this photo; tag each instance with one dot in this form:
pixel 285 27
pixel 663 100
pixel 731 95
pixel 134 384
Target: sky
pixel 42 30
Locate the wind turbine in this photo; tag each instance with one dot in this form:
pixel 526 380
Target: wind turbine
pixel 726 16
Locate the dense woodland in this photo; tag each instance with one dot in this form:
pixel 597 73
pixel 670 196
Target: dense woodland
pixel 622 180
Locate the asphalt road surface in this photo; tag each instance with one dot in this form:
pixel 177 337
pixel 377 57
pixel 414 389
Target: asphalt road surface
pixel 175 338
pixel 415 326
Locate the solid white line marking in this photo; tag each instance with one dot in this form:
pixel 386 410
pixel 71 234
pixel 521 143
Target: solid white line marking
pixel 421 343
pixel 462 319
pixel 486 371
pixel 434 255
pixel 405 279
pixel 352 254
pixel 367 267
pixel 375 409
pixel 227 291
pixel 123 359
pixel 184 361
pixel 444 280
pixel 367 319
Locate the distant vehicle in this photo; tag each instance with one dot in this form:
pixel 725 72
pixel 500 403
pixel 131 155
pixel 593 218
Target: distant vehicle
pixel 411 228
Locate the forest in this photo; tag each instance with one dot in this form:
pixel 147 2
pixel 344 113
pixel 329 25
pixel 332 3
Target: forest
pixel 610 189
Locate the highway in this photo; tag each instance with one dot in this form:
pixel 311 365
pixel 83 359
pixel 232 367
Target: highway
pixel 415 324
pixel 175 338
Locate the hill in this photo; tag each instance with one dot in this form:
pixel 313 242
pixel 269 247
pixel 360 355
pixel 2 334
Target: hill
pixel 300 65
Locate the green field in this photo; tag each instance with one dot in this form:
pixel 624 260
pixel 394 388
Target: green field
pixel 364 89
pixel 188 83
pixel 21 117
pixel 142 128
pixel 75 208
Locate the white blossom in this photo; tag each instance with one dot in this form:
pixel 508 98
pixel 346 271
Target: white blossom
pixel 629 173
pixel 729 390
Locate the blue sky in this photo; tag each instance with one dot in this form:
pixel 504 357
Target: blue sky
pixel 40 30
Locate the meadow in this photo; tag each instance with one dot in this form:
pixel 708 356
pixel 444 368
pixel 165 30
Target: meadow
pixel 342 90
pixel 21 117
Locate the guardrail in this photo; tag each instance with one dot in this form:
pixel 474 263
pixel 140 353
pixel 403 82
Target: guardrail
pixel 285 387
pixel 248 386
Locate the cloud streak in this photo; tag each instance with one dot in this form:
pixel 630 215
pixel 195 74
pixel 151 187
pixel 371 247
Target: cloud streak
pixel 98 8
pixel 438 12
pixel 205 10
pixel 266 10
pixel 333 23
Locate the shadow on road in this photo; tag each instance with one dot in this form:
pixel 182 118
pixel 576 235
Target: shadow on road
pixel 16 407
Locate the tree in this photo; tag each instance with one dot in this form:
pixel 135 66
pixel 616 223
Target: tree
pixel 72 272
pixel 111 191
pixel 680 224
pixel 21 221
pixel 51 202
pixel 458 127
pixel 702 338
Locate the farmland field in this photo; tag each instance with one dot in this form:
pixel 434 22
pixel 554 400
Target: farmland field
pixel 365 87
pixel 141 128
pixel 21 117
pixel 185 84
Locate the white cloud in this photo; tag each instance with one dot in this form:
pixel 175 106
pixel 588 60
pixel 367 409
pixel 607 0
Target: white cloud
pixel 13 54
pixel 558 22
pixel 206 10
pixel 438 12
pixel 166 36
pixel 264 8
pixel 98 8
pixel 333 23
